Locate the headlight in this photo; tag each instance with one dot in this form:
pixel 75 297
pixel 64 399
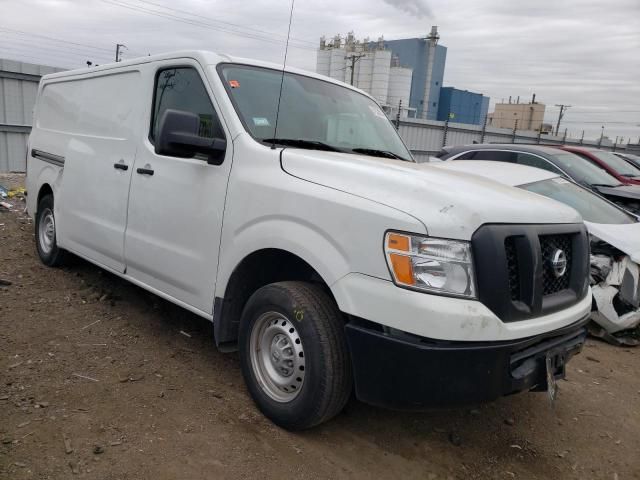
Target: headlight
pixel 431 264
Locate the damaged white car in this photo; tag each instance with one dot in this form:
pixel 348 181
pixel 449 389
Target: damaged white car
pixel 615 244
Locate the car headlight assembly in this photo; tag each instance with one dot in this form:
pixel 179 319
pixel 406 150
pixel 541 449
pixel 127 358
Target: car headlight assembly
pixel 435 265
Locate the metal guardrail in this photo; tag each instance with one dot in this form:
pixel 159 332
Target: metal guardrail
pixel 427 137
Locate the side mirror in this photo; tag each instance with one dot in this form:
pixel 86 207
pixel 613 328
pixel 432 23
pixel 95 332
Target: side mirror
pixel 178 136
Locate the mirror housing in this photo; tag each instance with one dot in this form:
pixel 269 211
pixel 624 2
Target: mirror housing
pixel 178 137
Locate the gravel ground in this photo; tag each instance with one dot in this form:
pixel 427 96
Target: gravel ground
pixel 101 380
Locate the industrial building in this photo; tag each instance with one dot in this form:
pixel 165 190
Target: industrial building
pixel 521 116
pixel 18 90
pixel 462 106
pixel 369 66
pixel 405 74
pixel 427 60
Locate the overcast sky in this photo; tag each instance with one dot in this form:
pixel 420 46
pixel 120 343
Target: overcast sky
pixel 580 52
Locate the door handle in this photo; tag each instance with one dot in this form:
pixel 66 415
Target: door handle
pixel 144 171
pixel 120 166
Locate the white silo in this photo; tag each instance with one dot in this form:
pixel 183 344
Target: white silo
pixel 323 62
pixel 364 70
pixel 399 87
pixel 380 75
pixel 337 68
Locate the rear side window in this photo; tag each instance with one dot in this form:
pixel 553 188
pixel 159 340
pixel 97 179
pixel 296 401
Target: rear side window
pixel 535 161
pixel 496 155
pixel 182 89
pixel 466 156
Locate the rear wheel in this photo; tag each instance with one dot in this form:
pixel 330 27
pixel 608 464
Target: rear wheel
pixel 46 245
pixel 294 354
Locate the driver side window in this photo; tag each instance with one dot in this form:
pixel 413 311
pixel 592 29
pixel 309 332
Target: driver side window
pixel 181 88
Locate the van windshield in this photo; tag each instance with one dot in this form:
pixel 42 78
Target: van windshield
pixel 313 113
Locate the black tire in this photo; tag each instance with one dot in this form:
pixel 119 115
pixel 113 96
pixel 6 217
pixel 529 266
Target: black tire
pixel 327 381
pixel 49 254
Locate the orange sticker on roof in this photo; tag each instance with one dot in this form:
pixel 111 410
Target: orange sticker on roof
pixel 234 83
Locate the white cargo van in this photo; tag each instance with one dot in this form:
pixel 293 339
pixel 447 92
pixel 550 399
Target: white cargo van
pixel 319 250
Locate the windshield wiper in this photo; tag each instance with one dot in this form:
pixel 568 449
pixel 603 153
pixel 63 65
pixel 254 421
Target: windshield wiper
pixel 377 153
pixel 301 143
pixel 606 185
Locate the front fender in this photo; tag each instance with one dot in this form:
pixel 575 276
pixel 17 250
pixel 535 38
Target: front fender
pixel 301 238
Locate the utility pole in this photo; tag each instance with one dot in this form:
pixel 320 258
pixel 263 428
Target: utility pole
pixel 354 59
pixel 560 115
pixel 601 137
pixel 118 47
pixel 484 129
pixel 398 115
pixel 445 132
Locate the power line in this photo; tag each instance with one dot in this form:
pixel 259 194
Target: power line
pixel 185 12
pixel 65 57
pixel 20 32
pixel 19 57
pixel 53 48
pixel 591 112
pixel 198 23
pixel 55 62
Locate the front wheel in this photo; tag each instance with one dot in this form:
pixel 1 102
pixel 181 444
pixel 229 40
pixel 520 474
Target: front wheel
pixel 294 355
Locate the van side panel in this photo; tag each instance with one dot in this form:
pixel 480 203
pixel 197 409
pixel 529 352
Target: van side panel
pixel 92 122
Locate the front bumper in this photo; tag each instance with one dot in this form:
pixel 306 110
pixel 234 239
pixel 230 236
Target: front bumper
pixel 410 372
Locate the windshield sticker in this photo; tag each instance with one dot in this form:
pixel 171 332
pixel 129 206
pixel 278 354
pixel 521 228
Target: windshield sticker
pixel 261 122
pixel 560 180
pixel 234 83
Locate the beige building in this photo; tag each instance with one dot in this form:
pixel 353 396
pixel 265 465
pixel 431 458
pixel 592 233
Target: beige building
pixel 528 115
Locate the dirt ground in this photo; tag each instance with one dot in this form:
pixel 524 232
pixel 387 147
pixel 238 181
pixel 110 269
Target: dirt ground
pixel 101 380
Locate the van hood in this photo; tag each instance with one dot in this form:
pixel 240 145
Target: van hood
pixel 625 237
pixel 449 204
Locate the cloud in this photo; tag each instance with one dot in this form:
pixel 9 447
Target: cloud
pixel 417 8
pixel 578 52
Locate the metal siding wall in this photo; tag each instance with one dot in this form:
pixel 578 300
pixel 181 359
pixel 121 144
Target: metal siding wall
pixel 29 95
pixel 17 99
pixel 17 149
pixel 4 152
pixel 13 107
pixel 427 137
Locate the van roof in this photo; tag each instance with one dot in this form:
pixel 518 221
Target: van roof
pixel 203 57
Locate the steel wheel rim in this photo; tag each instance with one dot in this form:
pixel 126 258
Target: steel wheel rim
pixel 277 357
pixel 47 231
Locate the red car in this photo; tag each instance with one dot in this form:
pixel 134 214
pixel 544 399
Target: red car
pixel 624 171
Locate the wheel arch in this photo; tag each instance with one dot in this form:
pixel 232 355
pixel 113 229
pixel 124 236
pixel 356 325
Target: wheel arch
pixel 255 270
pixel 45 189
